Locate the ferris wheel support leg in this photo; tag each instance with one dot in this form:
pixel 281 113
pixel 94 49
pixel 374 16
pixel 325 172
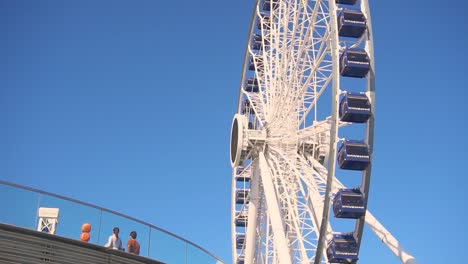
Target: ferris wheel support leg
pixel 279 236
pixel 388 239
pixel 251 234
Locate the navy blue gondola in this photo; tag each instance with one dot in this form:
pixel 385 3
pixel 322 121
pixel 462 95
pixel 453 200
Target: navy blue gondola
pixel 240 241
pixel 246 107
pixel 242 176
pixel 346 2
pixel 343 248
pixel 321 159
pixel 355 108
pixel 349 203
pixel 269 4
pixel 257 42
pixel 353 155
pixel 251 85
pixel 241 259
pixel 252 64
pixel 241 196
pixel 241 219
pixel 351 23
pixel 354 63
pixel 266 21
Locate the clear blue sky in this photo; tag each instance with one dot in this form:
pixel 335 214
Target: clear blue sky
pixel 128 105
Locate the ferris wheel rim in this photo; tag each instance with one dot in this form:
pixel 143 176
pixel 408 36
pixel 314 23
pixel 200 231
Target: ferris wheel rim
pixel 246 54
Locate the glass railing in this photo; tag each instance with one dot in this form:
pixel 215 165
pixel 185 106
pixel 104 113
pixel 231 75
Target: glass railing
pixel 19 207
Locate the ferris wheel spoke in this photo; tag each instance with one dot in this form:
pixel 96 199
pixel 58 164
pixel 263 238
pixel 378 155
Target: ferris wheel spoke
pixel 289 199
pixel 318 80
pixel 254 104
pixel 314 191
pixel 279 236
pixel 302 57
pixel 277 58
pixel 307 201
pixel 298 47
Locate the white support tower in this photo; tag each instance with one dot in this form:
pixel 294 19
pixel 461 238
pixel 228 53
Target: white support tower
pixel 48 220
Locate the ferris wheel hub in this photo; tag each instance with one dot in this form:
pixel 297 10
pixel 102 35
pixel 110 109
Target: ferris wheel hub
pixel 239 139
pixel 244 139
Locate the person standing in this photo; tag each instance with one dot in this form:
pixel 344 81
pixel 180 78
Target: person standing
pixel 132 245
pixel 114 241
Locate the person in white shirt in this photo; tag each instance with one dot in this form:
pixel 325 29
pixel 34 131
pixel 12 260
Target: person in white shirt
pixel 114 241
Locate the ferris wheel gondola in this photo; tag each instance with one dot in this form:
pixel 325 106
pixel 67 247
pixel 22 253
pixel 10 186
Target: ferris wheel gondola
pixel 308 74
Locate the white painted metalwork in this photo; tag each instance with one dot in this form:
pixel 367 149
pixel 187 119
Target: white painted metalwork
pixel 285 133
pixel 48 219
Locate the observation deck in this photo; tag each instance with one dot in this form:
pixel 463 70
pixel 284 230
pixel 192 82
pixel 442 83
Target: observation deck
pixel 20 242
pixel 22 245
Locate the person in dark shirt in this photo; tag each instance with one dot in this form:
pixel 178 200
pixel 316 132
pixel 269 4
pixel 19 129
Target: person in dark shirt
pixel 132 245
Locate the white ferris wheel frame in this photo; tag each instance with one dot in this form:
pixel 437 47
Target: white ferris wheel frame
pixel 299 236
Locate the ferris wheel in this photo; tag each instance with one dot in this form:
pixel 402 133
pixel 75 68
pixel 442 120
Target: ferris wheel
pixel 304 125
